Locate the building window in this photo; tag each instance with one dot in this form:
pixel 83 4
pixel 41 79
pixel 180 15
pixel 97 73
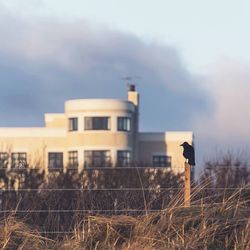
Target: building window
pixel 4 160
pixel 56 161
pixel 97 158
pixel 73 124
pixel 73 160
pixel 18 160
pixel 97 123
pixel 123 158
pixel 161 161
pixel 123 124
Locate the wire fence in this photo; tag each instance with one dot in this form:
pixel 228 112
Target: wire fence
pixel 118 189
pixel 20 194
pixel 58 209
pixel 28 168
pixel 50 219
pixel 112 194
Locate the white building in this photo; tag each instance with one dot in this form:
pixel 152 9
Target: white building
pixel 92 133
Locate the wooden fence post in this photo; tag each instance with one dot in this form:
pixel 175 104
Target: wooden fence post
pixel 187 191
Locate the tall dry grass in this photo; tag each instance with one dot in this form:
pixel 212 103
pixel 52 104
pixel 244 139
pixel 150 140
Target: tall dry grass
pixel 218 225
pixel 59 212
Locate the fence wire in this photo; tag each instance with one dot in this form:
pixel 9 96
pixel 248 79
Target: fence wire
pixel 117 189
pixel 219 166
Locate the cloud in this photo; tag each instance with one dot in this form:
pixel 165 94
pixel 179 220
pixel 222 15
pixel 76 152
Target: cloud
pixel 44 62
pixel 227 127
pixel 228 82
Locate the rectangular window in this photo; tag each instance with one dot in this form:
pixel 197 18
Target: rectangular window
pixel 73 124
pixel 18 160
pixel 123 158
pixel 123 124
pixel 161 161
pixel 73 160
pixel 97 158
pixel 4 160
pixel 97 123
pixel 56 161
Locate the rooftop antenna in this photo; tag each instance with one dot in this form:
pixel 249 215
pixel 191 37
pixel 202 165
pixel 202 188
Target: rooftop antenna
pixel 130 82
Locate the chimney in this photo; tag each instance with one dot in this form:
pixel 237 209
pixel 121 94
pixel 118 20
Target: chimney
pixel 133 96
pixel 131 87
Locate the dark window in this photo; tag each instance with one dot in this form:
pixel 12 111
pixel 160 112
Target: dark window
pixel 97 123
pixel 161 161
pixel 73 160
pixel 55 161
pixel 73 124
pixel 123 124
pixel 4 160
pixel 18 160
pixel 97 158
pixel 123 158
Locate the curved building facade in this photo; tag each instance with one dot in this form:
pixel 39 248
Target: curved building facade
pixel 92 133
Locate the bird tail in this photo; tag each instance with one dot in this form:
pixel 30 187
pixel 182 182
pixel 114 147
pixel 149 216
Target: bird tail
pixel 191 162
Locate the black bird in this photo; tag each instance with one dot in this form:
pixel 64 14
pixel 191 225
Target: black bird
pixel 188 153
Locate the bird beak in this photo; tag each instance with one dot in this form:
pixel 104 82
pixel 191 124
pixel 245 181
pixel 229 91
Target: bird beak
pixel 181 145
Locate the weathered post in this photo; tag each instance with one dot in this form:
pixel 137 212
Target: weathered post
pixel 187 186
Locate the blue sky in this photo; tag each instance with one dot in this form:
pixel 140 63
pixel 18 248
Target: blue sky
pixel 192 58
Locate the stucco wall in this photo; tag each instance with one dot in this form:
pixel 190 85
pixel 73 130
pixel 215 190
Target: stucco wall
pixel 55 121
pixel 164 144
pixel 55 137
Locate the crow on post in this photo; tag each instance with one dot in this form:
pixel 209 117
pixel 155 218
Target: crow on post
pixel 188 153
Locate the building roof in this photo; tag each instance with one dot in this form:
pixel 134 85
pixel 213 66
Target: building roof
pixel 98 104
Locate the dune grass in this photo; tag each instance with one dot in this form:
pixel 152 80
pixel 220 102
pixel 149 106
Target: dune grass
pixel 223 224
pixel 136 209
